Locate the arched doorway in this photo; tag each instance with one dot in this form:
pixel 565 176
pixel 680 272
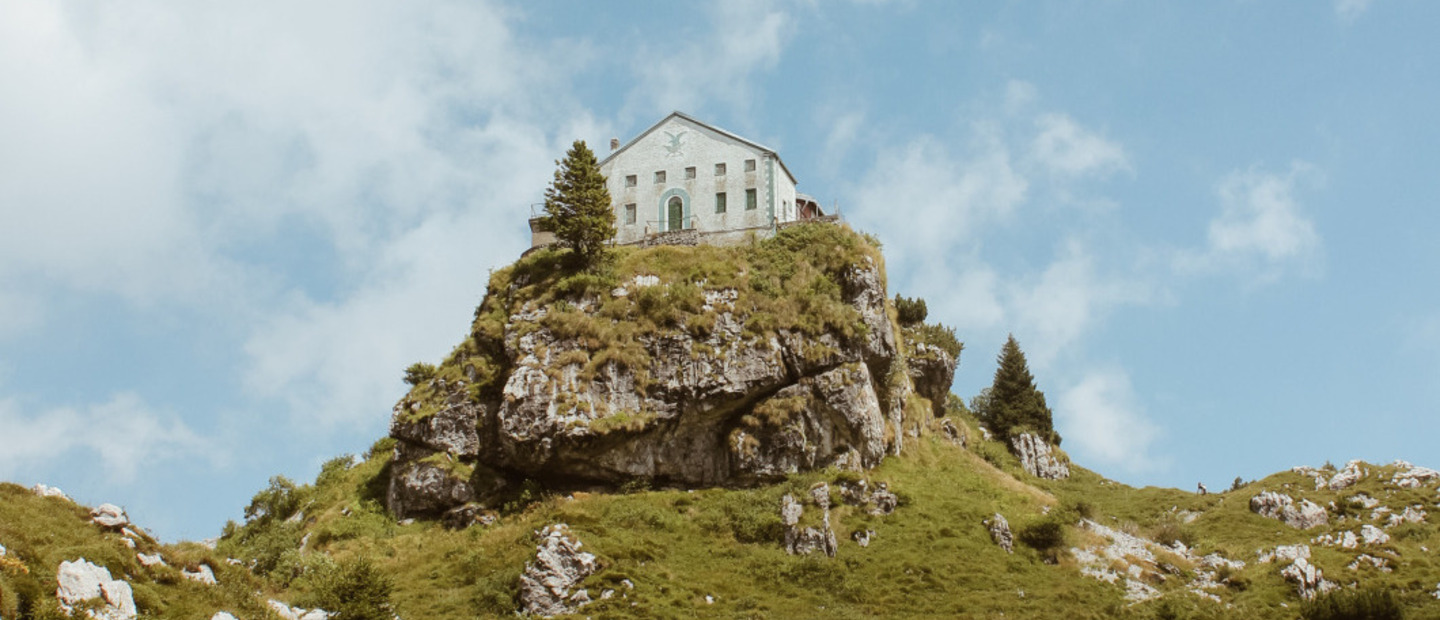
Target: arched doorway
pixel 675 216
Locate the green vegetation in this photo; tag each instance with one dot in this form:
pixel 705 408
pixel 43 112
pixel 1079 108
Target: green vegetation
pixel 910 311
pixel 1013 405
pixel 1364 604
pixel 577 205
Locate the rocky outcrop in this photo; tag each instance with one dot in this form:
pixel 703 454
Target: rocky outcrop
pixel 952 432
pixel 722 404
pixel 807 540
pixel 110 517
pixel 81 581
pixel 49 491
pixel 287 612
pixel 931 370
pixel 1000 532
pixel 1308 578
pixel 548 585
pixel 1347 477
pixel 1037 458
pixel 1413 477
pixel 1274 505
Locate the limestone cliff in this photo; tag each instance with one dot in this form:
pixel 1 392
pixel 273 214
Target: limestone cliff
pixel 693 366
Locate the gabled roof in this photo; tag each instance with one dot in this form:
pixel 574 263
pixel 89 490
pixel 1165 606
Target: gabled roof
pixel 707 126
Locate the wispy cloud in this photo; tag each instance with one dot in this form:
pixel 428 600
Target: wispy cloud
pixel 117 438
pixel 1060 305
pixel 1262 230
pixel 1351 10
pixel 1101 421
pixel 1063 146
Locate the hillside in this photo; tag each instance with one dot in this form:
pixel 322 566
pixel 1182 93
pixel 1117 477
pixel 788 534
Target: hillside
pixel 818 525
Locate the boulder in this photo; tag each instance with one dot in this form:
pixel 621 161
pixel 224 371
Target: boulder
pixel 223 615
pixel 203 575
pixel 49 491
pixel 1000 532
pixel 110 517
pixel 1037 458
pixel 1412 477
pixel 1347 477
pixel 1282 507
pixel 287 612
pixel 1372 535
pixel 807 540
pixel 863 537
pixel 1284 553
pixel 150 560
pixel 547 587
pixel 81 581
pixel 1308 578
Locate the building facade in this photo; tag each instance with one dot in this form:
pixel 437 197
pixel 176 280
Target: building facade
pixel 685 178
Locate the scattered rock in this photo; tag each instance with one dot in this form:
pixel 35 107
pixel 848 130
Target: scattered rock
pixel 1279 506
pixel 1037 458
pixel 1308 578
pixel 1344 540
pixel 1381 564
pixel 1365 500
pixel 1372 535
pixel 150 560
pixel 547 585
pixel 863 537
pixel 109 516
pixel 881 500
pixel 461 517
pixel 1412 477
pixel 1347 477
pixel 287 612
pixel 1136 591
pixel 1412 514
pixel 204 575
pixel 1285 553
pixel 82 581
pixel 49 491
pixel 1000 532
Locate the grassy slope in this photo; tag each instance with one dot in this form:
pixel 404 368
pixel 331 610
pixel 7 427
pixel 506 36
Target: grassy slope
pixel 42 532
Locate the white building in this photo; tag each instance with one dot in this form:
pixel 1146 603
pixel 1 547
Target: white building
pixel 685 175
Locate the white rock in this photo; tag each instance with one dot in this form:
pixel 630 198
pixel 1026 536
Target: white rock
pixel 1285 553
pixel 202 575
pixel 109 516
pixel 1139 591
pixel 1347 477
pixel 790 510
pixel 1308 578
pixel 643 281
pixel 80 581
pixel 223 615
pixel 1414 477
pixel 1000 532
pixel 149 560
pixel 1037 458
pixel 559 565
pixel 287 612
pixel 1279 506
pixel 1372 535
pixel 49 491
pixel 1365 500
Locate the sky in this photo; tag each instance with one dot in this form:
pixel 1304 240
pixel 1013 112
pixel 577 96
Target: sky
pixel 227 228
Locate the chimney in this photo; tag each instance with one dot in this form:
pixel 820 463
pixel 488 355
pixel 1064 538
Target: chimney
pixel 614 144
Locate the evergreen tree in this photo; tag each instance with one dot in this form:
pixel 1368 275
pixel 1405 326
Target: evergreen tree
pixel 1015 404
pixel 577 205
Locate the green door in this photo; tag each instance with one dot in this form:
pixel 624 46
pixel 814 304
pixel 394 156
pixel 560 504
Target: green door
pixel 676 217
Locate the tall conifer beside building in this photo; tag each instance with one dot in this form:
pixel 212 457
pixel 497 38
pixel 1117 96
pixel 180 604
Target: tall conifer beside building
pixel 577 205
pixel 1015 404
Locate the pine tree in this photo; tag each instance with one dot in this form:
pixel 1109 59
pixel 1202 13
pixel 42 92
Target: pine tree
pixel 577 205
pixel 1016 405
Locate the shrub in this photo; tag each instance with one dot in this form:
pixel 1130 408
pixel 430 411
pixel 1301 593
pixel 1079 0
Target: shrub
pixel 277 501
pixel 418 373
pixel 1362 604
pixel 352 590
pixel 1044 535
pixel 910 311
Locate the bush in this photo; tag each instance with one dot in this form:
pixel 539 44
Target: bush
pixel 419 372
pixel 277 501
pixel 353 590
pixel 910 311
pixel 1044 535
pixel 1362 604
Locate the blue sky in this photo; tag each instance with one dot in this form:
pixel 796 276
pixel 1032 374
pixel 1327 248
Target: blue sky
pixel 226 229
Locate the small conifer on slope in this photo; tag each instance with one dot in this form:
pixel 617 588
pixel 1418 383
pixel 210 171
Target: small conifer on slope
pixel 577 205
pixel 1014 404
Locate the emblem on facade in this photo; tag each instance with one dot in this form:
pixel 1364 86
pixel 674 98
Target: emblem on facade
pixel 673 149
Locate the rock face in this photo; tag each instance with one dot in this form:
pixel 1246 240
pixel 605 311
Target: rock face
pixel 82 581
pixel 1278 506
pixel 1037 458
pixel 931 370
pixel 1000 532
pixel 725 404
pixel 547 587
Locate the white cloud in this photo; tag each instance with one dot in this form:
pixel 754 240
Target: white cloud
pixel 1062 146
pixel 687 70
pixel 117 438
pixel 1101 421
pixel 1261 230
pixel 1057 308
pixel 1351 10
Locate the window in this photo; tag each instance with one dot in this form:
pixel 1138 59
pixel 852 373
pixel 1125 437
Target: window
pixel 630 180
pixel 750 203
pixel 749 165
pixel 720 202
pixel 690 172
pixel 719 170
pixel 659 176
pixel 630 213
